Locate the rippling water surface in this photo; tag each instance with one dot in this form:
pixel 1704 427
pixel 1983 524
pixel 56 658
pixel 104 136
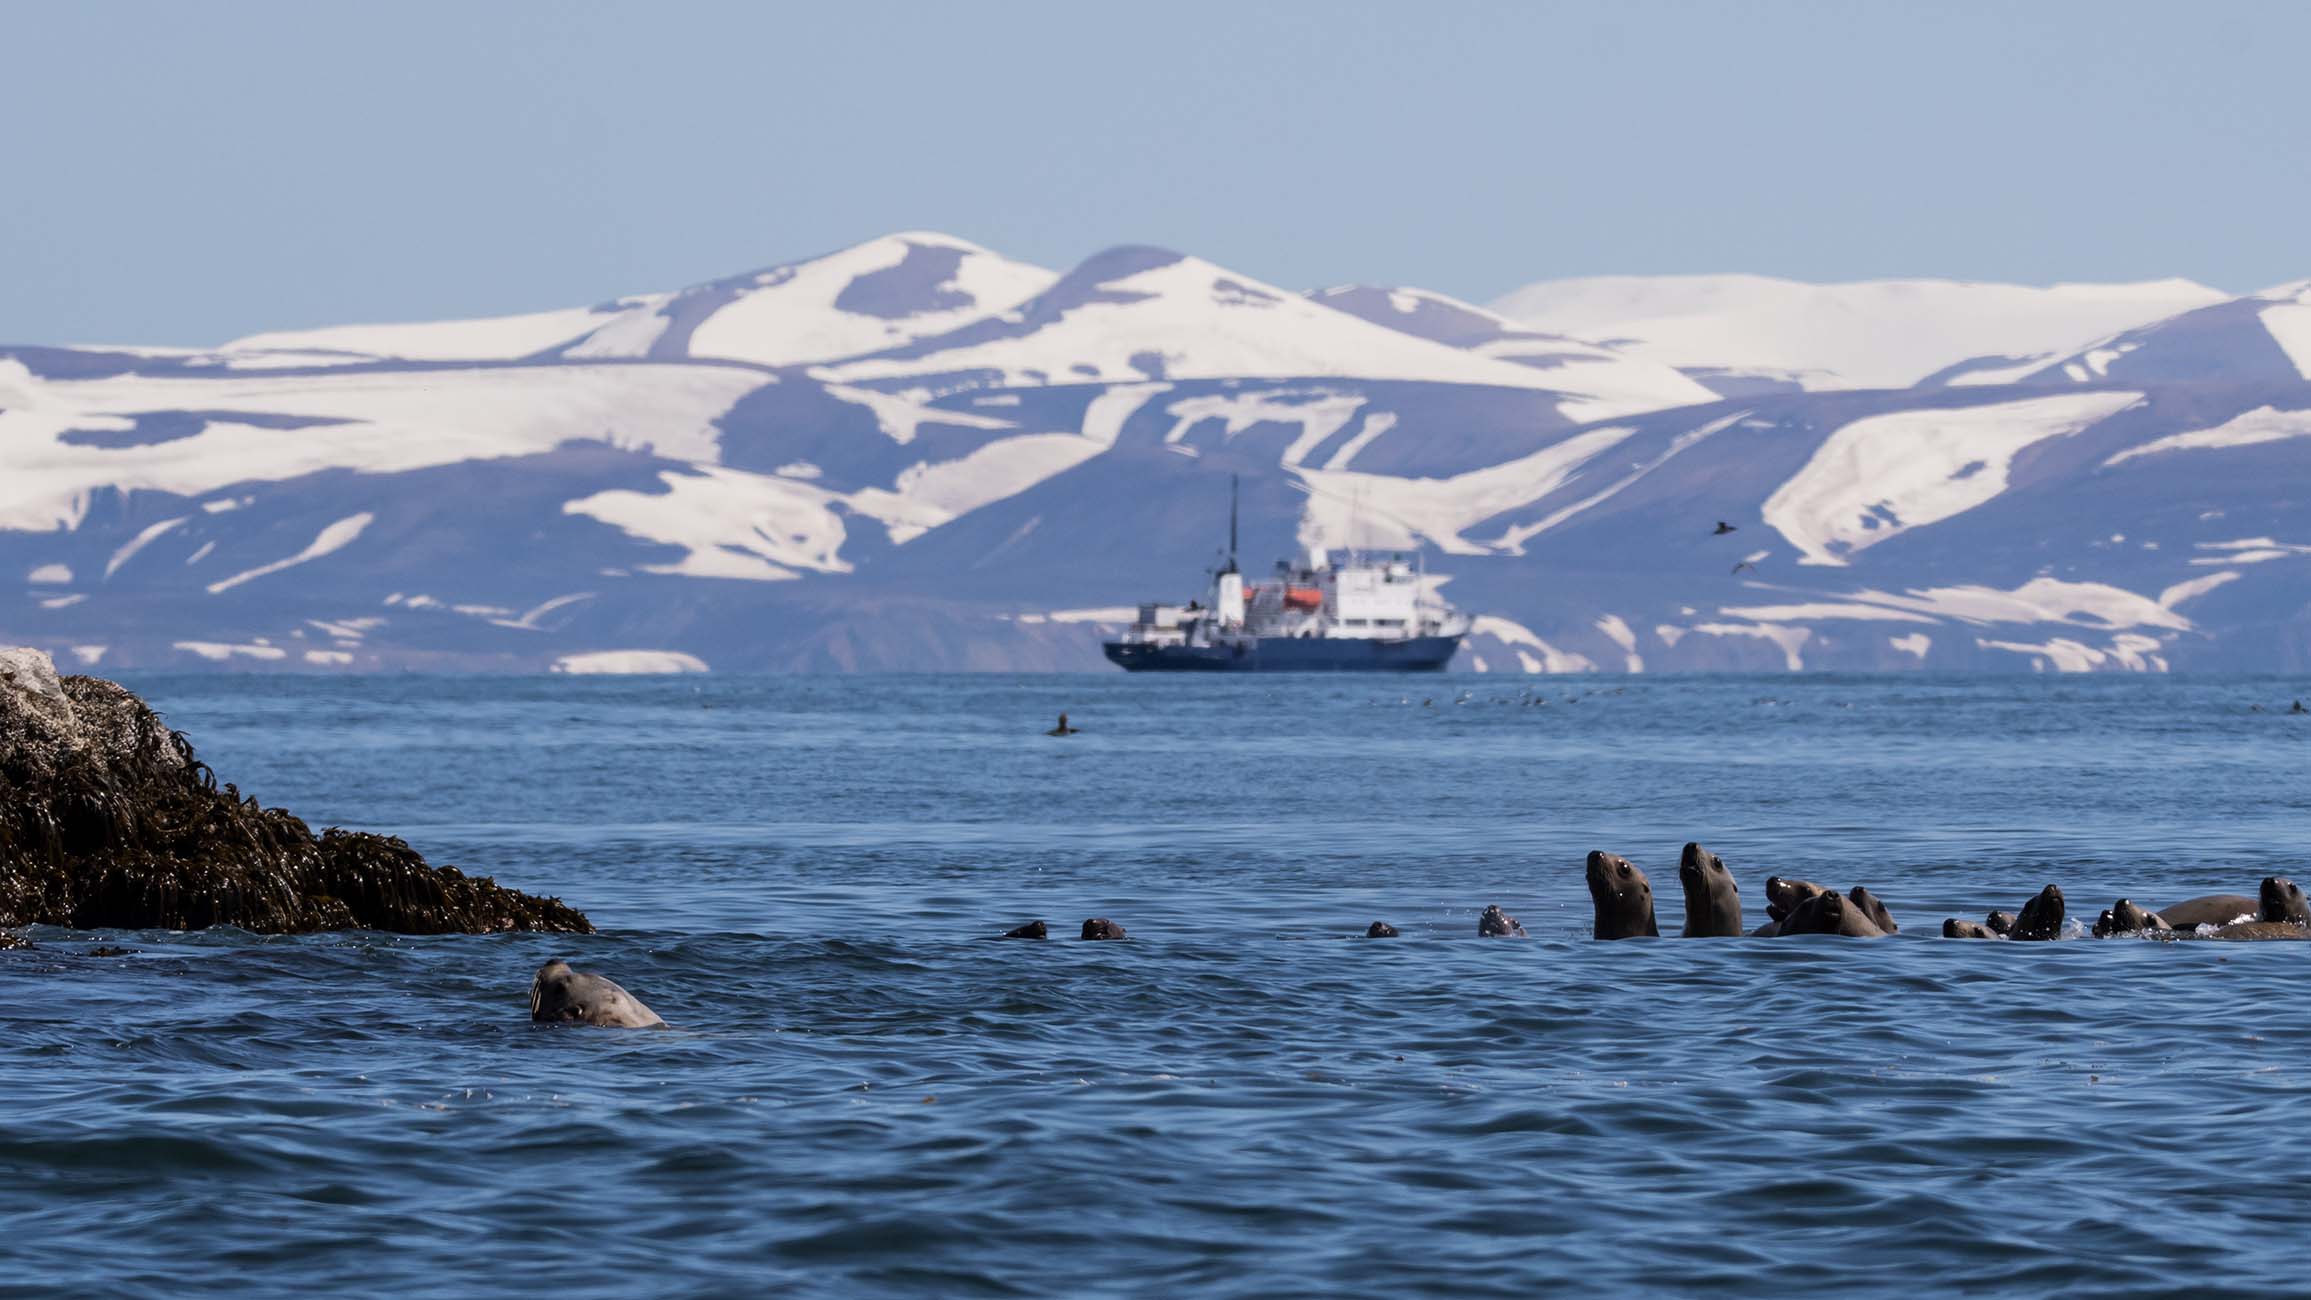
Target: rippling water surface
pixel 863 1095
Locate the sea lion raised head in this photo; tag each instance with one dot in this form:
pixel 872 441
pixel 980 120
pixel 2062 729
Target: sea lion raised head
pixel 1381 930
pixel 2041 917
pixel 2283 903
pixel 1496 924
pixel 1873 909
pixel 1712 900
pixel 1621 897
pixel 1099 927
pixel 2211 909
pixel 1031 930
pixel 562 996
pixel 1782 895
pixel 2000 922
pixel 2127 917
pixel 1953 928
pixel 1831 913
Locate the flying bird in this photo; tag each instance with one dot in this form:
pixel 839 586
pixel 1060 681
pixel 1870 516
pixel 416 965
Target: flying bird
pixel 1722 529
pixel 1745 565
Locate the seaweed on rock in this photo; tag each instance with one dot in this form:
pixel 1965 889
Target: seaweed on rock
pixel 109 820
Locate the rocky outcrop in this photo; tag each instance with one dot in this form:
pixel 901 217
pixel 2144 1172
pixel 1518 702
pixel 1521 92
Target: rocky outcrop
pixel 109 820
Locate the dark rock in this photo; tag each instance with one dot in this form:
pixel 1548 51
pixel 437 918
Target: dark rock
pixel 108 950
pixel 108 820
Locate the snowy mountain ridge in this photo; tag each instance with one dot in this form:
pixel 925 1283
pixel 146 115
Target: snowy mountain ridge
pixel 916 453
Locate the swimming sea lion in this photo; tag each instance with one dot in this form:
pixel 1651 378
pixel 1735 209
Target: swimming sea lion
pixel 559 995
pixel 1062 729
pixel 1099 927
pixel 1712 900
pixel 2127 917
pixel 2041 917
pixel 2213 909
pixel 2001 923
pixel 1496 924
pixel 1621 897
pixel 1031 930
pixel 1381 930
pixel 2283 903
pixel 1783 896
pixel 1829 913
pixel 1873 909
pixel 1954 928
pixel 2262 930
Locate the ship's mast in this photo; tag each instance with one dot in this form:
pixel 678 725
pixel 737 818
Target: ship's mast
pixel 1232 481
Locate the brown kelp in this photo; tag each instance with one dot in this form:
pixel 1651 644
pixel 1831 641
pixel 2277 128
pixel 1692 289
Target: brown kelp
pixel 108 819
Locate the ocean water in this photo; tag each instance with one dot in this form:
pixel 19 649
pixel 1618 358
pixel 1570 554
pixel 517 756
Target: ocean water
pixel 862 1094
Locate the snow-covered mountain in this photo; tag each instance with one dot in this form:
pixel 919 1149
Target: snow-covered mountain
pixel 915 453
pixel 1748 333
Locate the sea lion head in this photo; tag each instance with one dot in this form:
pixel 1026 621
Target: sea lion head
pixel 2041 917
pixel 2000 922
pixel 2283 902
pixel 1497 924
pixel 1099 927
pixel 1621 897
pixel 1954 928
pixel 2126 917
pixel 1784 896
pixel 560 995
pixel 1712 898
pixel 1381 930
pixel 1031 930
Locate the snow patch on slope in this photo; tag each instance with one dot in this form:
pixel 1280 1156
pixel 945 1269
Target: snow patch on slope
pixel 377 423
pixel 793 314
pixel 622 662
pixel 1883 475
pixel 1140 314
pixel 1867 334
pixel 336 537
pixel 496 338
pixel 1346 507
pixel 2263 424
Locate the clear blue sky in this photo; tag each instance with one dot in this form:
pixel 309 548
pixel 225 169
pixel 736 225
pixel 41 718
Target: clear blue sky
pixel 181 173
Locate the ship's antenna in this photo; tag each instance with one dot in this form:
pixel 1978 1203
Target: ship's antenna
pixel 1231 524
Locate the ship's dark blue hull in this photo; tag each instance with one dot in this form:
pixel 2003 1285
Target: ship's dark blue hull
pixel 1282 654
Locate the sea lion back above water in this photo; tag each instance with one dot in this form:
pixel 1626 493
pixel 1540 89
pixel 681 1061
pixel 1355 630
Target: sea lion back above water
pixel 562 996
pixel 1832 913
pixel 1621 897
pixel 1712 899
pixel 2211 909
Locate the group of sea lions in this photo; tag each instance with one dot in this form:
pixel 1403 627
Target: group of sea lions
pixel 1621 899
pixel 2277 912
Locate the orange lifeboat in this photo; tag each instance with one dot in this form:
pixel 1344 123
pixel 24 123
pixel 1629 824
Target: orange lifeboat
pixel 1309 598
